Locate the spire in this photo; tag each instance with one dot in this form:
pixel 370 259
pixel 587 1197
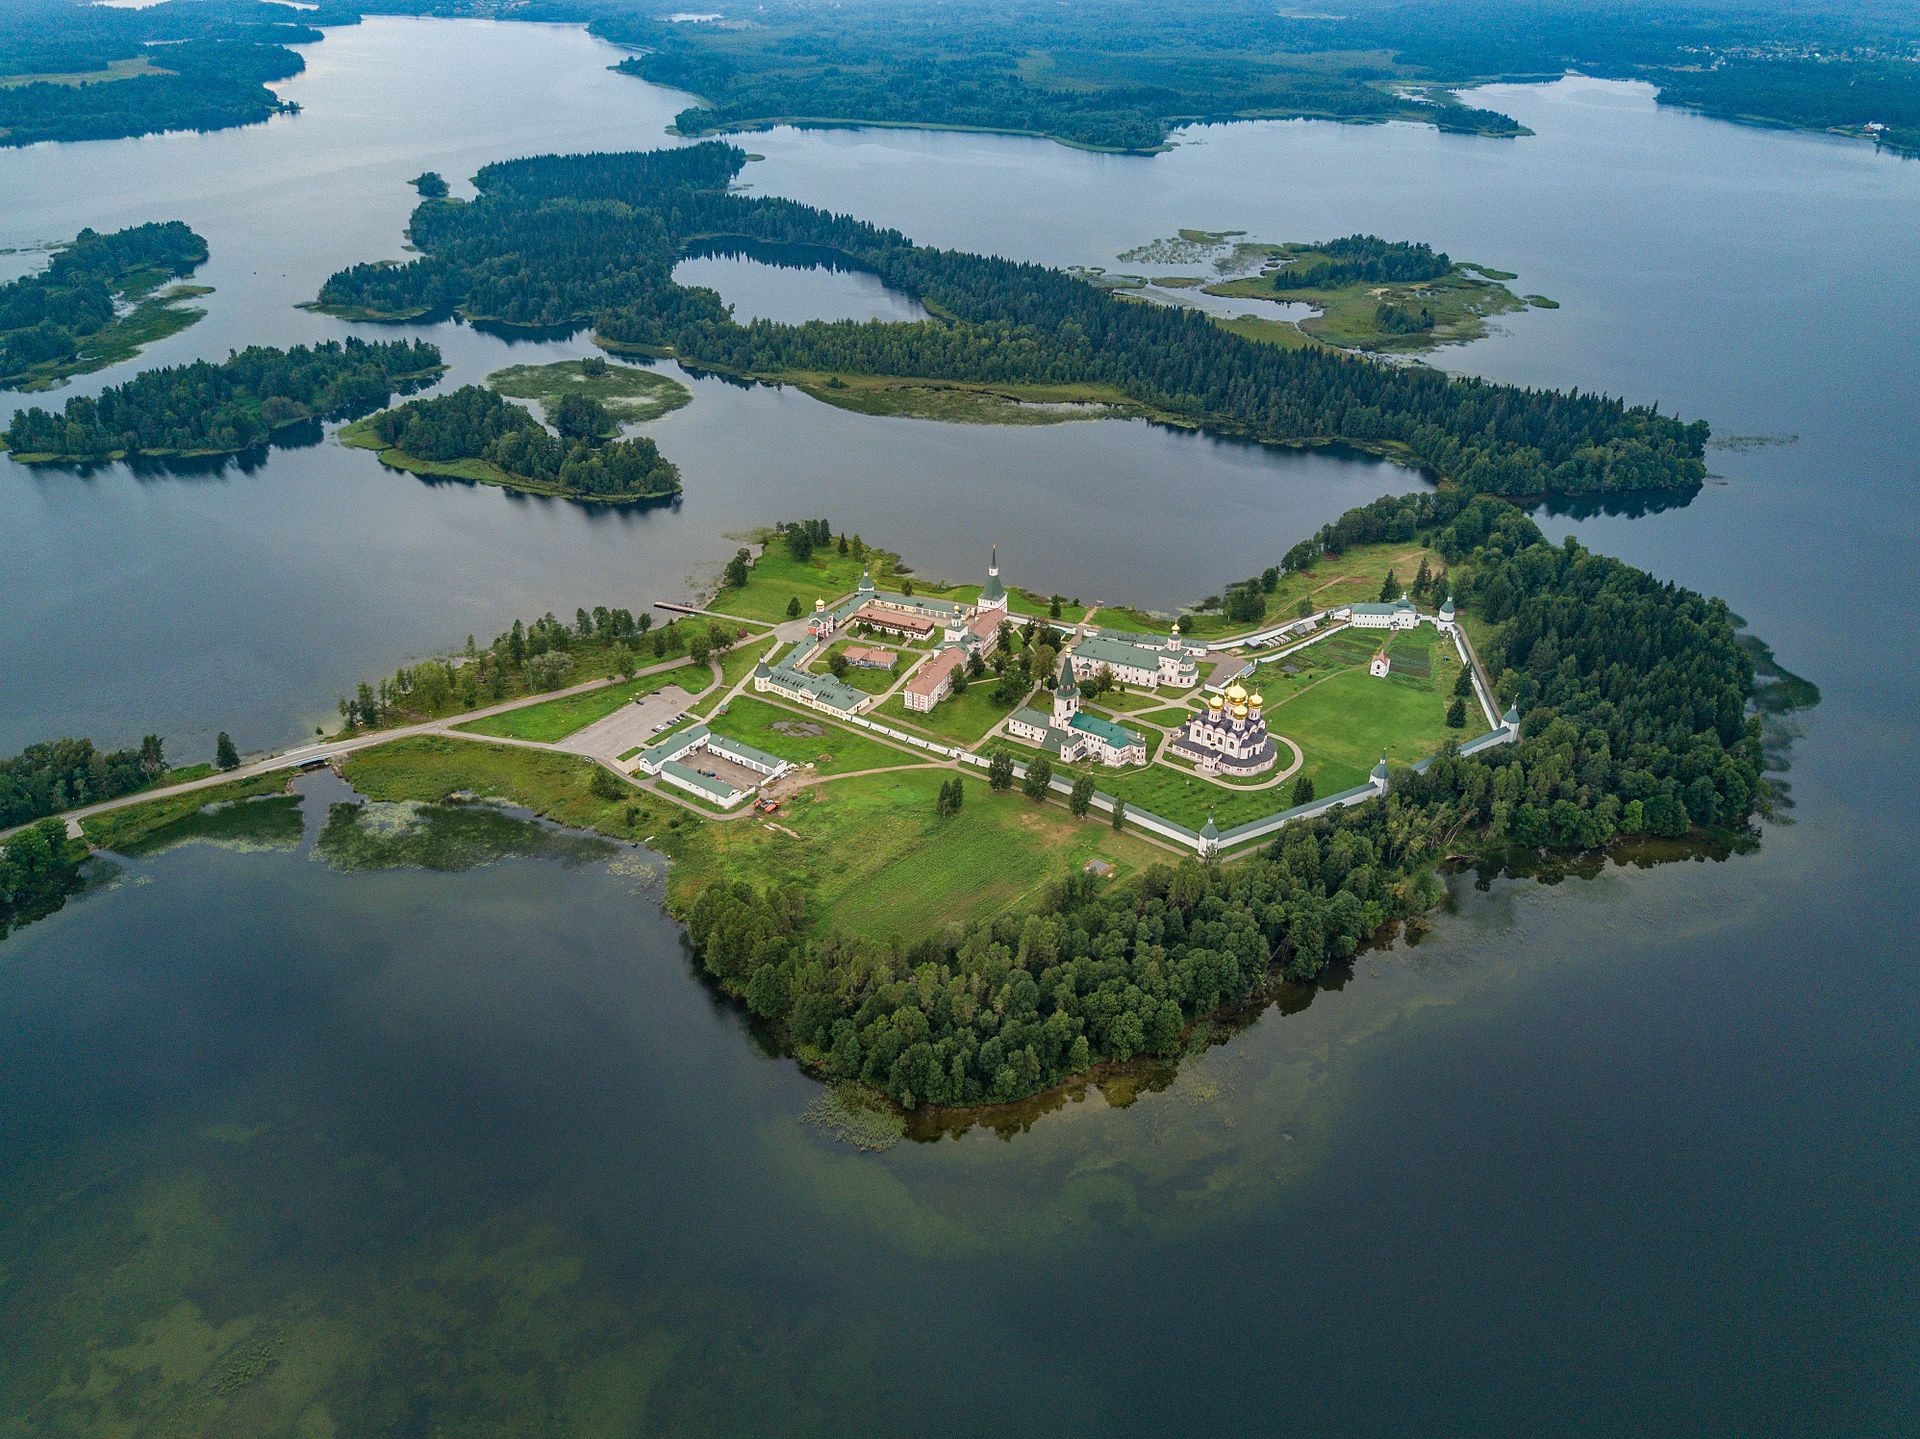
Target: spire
pixel 993 594
pixel 1379 775
pixel 866 582
pixel 1067 685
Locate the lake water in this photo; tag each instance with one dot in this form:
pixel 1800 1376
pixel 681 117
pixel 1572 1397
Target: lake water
pixel 469 1152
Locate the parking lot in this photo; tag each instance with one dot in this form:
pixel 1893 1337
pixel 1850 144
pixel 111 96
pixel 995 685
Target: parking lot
pixel 629 727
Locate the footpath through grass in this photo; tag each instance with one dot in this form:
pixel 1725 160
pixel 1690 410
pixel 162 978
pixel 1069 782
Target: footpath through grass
pixel 555 719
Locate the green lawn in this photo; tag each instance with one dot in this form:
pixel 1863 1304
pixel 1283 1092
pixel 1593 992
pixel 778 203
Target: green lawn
pixel 777 578
pixel 555 719
pixel 867 681
pixel 735 666
pixel 964 719
pixel 835 750
pixel 158 823
pixel 1344 723
pixel 873 858
pixel 1460 303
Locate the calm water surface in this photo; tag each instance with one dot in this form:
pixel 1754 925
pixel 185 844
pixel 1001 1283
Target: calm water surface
pixel 292 1148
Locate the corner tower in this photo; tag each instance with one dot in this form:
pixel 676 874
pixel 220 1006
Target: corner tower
pixel 1066 694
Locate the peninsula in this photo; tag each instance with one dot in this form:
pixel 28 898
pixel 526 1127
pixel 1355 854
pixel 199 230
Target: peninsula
pixel 885 798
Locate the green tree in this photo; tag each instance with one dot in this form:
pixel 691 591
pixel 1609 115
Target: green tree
pixel 1000 771
pixel 605 784
pixel 1303 790
pixel 1457 713
pixel 1081 799
pixel 1389 587
pixel 1119 814
pixel 1463 682
pixel 224 753
pixel 1039 778
pixel 793 608
pixel 735 574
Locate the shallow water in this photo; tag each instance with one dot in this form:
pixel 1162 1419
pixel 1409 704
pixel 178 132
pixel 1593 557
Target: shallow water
pixel 400 1151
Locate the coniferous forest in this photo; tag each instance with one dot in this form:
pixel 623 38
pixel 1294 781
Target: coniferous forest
pixel 473 423
pixel 46 318
pixel 224 407
pixel 1633 698
pixel 594 238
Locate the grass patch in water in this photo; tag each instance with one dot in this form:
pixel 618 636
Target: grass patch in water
pixel 849 1114
pixel 247 814
pixel 443 837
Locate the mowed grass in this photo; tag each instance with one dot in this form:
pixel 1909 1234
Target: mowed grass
pixel 555 719
pixel 778 578
pixel 835 750
pixel 1345 722
pixel 875 860
pixel 964 719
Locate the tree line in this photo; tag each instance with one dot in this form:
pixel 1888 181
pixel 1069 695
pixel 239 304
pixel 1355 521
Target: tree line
pixel 45 318
pixel 473 422
pixel 62 774
pixel 593 238
pixel 223 407
pixel 1634 699
pixel 1361 259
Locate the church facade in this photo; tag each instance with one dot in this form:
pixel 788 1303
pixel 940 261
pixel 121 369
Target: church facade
pixel 1230 737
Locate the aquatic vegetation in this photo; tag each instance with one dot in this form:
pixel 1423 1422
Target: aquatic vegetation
pixel 449 837
pixel 854 1116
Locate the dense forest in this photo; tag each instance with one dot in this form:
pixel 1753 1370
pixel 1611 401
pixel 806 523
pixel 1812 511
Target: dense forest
pixel 222 407
pixel 1117 74
pixel 1633 696
pixel 473 423
pixel 1361 259
pixel 204 85
pixel 38 869
pixel 593 238
pixel 1121 74
pixel 46 318
pixel 64 774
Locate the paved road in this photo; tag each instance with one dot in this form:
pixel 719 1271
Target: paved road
pixel 326 750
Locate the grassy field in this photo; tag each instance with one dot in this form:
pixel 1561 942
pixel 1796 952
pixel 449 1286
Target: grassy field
pixel 777 577
pixel 1343 723
pixel 127 69
pixel 874 859
pixel 835 750
pixel 735 666
pixel 963 719
pixel 958 403
pixel 555 719
pixel 628 392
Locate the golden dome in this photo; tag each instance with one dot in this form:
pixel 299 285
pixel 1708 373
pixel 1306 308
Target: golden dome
pixel 1215 703
pixel 1239 711
pixel 1257 701
pixel 1238 694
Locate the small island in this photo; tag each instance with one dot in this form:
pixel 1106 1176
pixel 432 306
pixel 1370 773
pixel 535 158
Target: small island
pixel 430 184
pixel 627 393
pixel 474 434
pixel 99 302
pixel 223 408
pixel 1367 294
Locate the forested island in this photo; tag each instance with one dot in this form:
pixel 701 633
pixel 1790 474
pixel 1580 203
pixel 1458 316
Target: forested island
pixel 221 407
pixel 64 321
pixel 474 434
pixel 594 238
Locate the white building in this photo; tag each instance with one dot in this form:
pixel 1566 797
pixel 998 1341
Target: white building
pixel 1068 735
pixel 1379 665
pixel 1400 615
